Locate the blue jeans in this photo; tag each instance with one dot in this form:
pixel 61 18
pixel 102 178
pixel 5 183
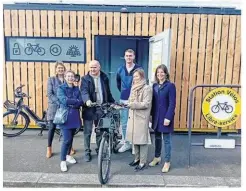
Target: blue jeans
pixel 67 142
pixel 167 142
pixel 123 120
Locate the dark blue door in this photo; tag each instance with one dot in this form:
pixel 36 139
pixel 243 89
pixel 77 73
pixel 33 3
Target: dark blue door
pixel 110 53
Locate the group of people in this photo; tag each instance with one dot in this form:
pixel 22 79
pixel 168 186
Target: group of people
pixel 145 103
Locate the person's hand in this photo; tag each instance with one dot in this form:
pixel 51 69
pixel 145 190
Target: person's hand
pixel 166 122
pixel 88 103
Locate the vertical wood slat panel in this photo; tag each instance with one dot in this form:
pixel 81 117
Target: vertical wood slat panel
pixel 31 65
pixel 45 65
pixel 200 71
pixel 116 23
pixel 66 31
pixel 159 25
pixel 152 24
pixel 185 78
pixel 7 32
pixel 95 28
pixel 237 61
pixel 131 21
pixel 179 66
pixel 109 23
pixel 230 53
pixel 216 49
pixel 73 33
pixel 167 18
pixel 138 24
pixel 123 27
pixel 38 67
pixel 80 18
pixel 174 27
pixel 16 65
pixel 223 50
pixel 88 38
pixel 9 65
pixel 193 65
pixel 102 24
pixel 208 63
pixel 145 24
pixel 53 16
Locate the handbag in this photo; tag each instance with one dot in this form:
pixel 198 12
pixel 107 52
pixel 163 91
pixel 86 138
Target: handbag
pixel 60 116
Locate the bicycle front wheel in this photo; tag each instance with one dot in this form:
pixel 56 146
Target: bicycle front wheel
pixel 14 125
pixel 104 158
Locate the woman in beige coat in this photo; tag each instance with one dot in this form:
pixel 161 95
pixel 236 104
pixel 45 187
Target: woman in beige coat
pixel 139 113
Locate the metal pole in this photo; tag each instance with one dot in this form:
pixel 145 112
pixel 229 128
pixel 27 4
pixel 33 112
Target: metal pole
pixel 190 122
pixel 219 132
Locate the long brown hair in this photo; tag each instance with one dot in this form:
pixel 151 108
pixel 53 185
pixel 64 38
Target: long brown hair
pixel 164 69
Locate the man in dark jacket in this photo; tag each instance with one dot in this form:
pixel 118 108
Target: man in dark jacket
pixel 95 89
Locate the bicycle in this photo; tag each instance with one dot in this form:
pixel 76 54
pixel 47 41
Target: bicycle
pixel 109 124
pixel 34 48
pixel 17 120
pixel 227 108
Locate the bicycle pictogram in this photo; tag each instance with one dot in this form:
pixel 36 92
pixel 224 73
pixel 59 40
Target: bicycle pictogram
pixel 222 106
pixel 34 48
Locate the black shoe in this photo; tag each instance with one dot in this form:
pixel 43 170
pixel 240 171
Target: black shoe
pixel 139 167
pixel 87 157
pixel 133 163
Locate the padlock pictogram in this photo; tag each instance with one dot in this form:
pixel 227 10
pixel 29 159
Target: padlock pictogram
pixel 16 49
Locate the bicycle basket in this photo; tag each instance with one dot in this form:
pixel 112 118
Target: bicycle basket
pixel 10 105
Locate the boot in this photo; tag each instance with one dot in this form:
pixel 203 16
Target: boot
pixel 49 152
pixel 166 167
pixel 155 161
pixel 72 152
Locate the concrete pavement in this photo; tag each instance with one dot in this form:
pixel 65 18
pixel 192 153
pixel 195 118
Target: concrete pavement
pixel 25 165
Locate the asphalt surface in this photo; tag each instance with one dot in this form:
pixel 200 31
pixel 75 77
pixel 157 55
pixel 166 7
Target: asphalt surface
pixel 26 154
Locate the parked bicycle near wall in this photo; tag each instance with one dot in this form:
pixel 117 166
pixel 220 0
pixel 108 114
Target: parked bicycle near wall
pixel 16 120
pixel 109 124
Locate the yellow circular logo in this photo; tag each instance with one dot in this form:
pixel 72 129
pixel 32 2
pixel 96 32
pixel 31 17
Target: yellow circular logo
pixel 221 107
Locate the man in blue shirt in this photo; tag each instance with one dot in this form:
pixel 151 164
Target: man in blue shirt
pixel 124 78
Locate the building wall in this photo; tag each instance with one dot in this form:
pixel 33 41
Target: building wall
pixel 206 49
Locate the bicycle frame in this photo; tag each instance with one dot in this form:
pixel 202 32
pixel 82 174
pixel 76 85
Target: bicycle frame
pixel 28 111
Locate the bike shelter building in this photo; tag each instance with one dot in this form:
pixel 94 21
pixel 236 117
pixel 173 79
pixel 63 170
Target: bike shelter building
pixel 205 47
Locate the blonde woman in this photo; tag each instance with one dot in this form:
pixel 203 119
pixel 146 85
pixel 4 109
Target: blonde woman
pixel 139 113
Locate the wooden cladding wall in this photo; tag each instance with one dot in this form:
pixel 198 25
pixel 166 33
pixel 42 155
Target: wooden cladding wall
pixel 206 49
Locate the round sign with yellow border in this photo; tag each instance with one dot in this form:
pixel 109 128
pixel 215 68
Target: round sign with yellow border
pixel 221 107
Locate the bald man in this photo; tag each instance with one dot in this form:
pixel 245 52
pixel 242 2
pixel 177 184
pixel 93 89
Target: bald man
pixel 95 89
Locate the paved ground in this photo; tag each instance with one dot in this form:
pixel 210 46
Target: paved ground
pixel 24 164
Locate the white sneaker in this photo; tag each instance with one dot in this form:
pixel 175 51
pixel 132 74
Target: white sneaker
pixel 63 166
pixel 125 147
pixel 70 159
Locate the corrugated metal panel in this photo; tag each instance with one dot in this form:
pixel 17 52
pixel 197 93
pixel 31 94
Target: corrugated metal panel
pixel 179 3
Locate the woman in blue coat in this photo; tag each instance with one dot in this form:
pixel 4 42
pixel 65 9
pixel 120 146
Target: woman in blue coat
pixel 163 110
pixel 69 96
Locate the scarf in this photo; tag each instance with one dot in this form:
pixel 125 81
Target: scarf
pixel 135 90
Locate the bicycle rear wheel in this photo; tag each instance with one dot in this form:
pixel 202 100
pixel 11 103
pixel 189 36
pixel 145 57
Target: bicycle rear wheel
pixel 104 158
pixel 13 128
